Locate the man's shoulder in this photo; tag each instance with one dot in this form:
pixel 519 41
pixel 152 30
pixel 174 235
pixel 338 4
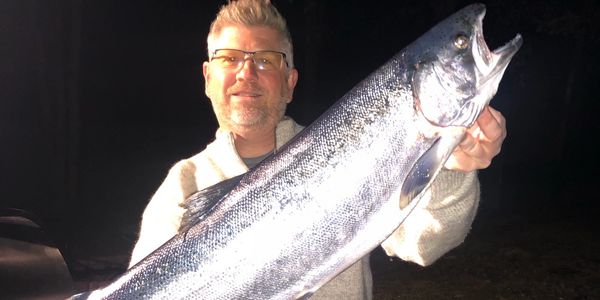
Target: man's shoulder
pixel 192 162
pixel 289 124
pixel 286 130
pixel 216 162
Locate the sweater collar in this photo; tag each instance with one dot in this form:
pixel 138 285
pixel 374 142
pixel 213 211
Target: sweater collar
pixel 283 133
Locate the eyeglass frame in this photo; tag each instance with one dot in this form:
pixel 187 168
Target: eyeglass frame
pixel 251 53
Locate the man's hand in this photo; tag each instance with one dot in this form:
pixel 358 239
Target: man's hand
pixel 481 143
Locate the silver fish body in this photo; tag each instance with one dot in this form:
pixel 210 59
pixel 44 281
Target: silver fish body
pixel 339 188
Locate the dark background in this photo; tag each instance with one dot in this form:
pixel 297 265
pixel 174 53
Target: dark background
pixel 99 98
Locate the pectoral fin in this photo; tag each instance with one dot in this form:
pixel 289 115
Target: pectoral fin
pixel 199 204
pixel 305 296
pixel 422 173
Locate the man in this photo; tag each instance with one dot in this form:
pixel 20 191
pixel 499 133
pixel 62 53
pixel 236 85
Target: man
pixel 250 79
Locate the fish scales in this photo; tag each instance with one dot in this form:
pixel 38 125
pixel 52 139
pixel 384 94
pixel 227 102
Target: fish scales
pixel 339 188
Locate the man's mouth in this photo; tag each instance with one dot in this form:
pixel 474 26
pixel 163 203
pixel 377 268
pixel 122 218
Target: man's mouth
pixel 246 94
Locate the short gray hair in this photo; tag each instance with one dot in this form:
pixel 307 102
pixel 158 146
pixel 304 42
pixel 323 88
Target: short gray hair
pixel 251 13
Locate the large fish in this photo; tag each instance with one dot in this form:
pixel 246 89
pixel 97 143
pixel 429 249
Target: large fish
pixel 339 188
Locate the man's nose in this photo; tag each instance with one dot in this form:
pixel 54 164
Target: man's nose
pixel 248 70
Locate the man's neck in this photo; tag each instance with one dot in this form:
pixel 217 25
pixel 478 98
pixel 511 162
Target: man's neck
pixel 254 144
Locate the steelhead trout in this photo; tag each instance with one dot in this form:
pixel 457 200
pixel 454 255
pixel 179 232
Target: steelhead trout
pixel 339 188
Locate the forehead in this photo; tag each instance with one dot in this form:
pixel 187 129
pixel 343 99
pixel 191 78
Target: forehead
pixel 248 38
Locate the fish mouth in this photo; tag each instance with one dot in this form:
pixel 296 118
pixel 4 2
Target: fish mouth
pixel 491 64
pixel 489 67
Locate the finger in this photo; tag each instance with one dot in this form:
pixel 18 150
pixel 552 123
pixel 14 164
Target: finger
pixel 460 160
pixel 497 115
pixel 492 125
pixel 481 144
pixel 474 151
pixel 469 143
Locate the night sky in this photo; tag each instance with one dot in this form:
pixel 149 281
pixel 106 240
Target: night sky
pixel 99 98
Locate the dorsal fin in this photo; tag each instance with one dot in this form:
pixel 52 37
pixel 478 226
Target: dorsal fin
pixel 200 203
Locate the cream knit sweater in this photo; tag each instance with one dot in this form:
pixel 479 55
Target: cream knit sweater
pixel 439 223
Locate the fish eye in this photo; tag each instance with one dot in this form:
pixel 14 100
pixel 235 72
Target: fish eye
pixel 461 41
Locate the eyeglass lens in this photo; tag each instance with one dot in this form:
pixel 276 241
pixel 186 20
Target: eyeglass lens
pixel 234 59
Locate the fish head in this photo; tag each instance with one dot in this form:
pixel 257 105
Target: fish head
pixel 456 74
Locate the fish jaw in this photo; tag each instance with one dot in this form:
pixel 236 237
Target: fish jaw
pixel 489 65
pixel 452 87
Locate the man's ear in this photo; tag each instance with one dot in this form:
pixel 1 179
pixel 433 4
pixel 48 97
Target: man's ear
pixel 292 79
pixel 206 73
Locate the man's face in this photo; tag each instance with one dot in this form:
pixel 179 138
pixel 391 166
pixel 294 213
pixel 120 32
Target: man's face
pixel 248 98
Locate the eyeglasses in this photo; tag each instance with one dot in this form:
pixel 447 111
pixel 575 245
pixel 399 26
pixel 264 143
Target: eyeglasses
pixel 233 59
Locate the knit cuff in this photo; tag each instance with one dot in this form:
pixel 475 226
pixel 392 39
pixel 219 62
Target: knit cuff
pixel 439 222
